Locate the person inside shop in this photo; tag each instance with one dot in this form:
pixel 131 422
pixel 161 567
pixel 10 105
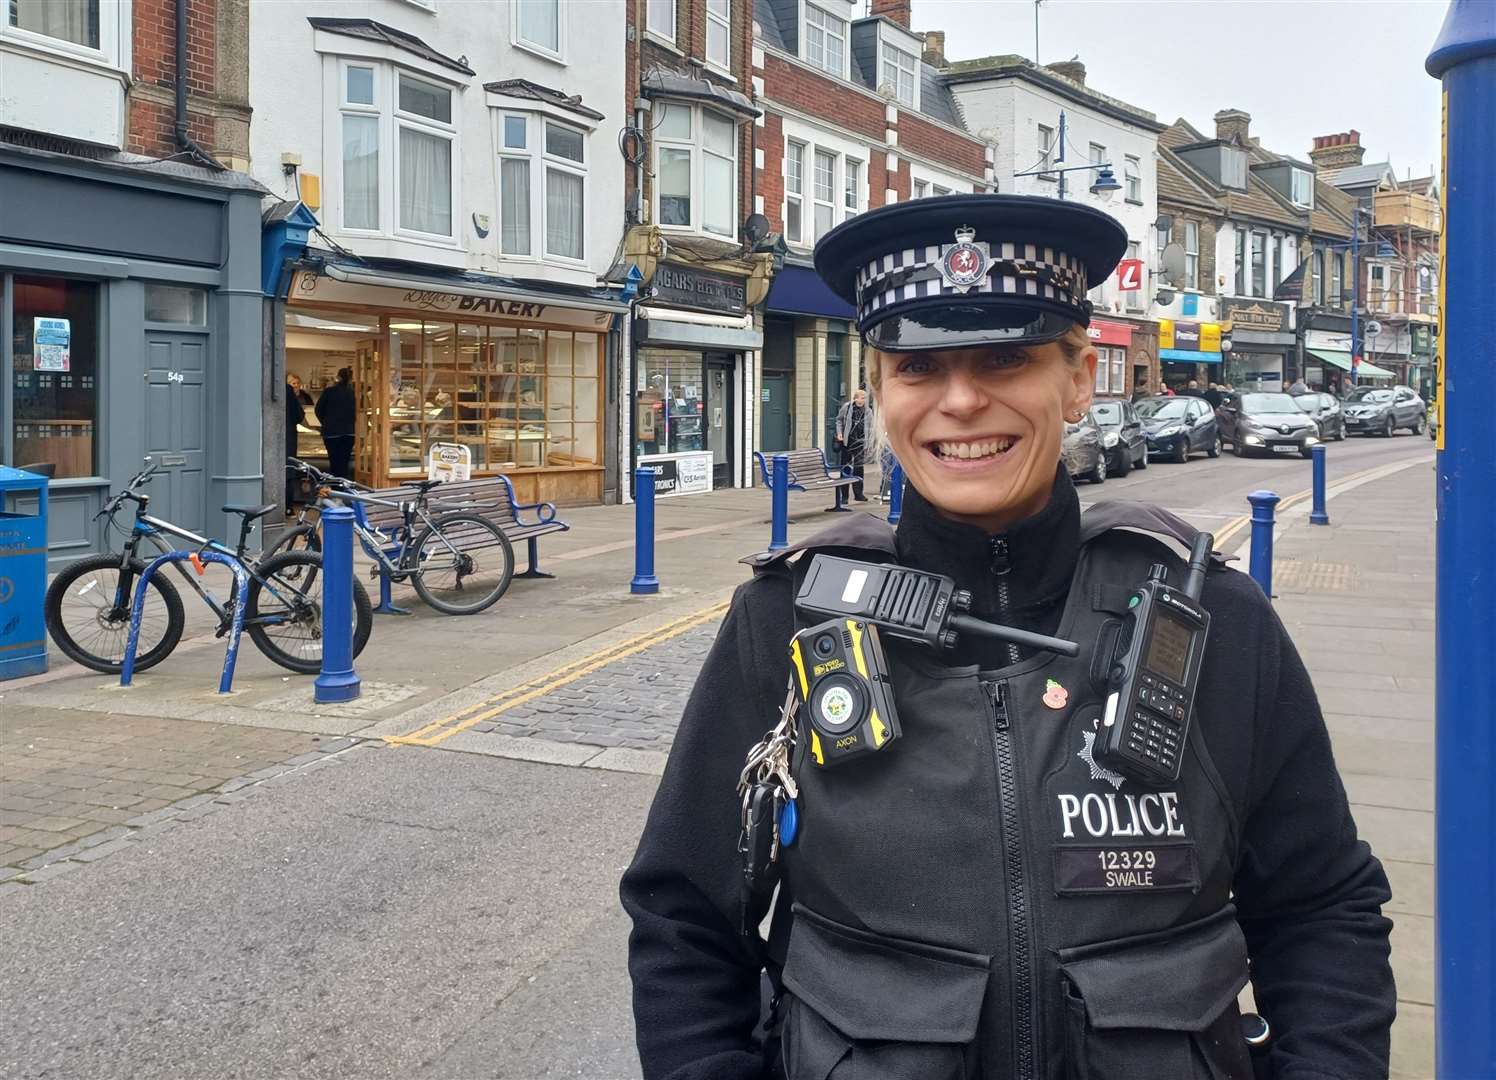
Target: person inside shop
pixel 294 381
pixel 851 436
pixel 1165 390
pixel 295 416
pixel 983 890
pixel 336 411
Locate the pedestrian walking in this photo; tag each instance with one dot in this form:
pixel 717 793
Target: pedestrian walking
pixel 991 893
pixel 337 411
pixel 851 436
pixel 295 416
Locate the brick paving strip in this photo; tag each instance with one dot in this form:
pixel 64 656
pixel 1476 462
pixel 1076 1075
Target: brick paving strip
pixel 77 786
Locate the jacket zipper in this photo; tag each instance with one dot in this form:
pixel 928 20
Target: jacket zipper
pixel 1002 565
pixel 1018 913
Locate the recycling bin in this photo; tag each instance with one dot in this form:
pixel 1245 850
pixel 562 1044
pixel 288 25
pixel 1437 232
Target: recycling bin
pixel 23 574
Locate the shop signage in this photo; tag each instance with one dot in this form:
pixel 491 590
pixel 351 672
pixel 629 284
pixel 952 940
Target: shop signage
pixel 680 474
pixel 1130 275
pixel 1109 333
pixel 51 344
pixel 1190 336
pixel 448 462
pixel 687 287
pixel 315 288
pixel 1261 315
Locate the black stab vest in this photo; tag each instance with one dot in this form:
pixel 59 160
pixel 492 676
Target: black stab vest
pixel 983 899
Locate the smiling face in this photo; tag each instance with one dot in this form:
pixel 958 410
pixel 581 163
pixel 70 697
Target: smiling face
pixel 978 431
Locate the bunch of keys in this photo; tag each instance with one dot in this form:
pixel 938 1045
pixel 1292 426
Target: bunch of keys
pixel 770 818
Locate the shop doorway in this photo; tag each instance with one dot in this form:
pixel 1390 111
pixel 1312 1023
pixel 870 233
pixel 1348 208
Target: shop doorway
pixel 719 418
pixel 774 425
pixel 835 390
pixel 175 426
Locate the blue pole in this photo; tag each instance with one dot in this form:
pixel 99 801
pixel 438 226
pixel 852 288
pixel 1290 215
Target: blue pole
pixel 1355 291
pixel 338 681
pixel 896 494
pixel 1464 58
pixel 1317 516
pixel 1262 538
pixel 779 492
pixel 644 582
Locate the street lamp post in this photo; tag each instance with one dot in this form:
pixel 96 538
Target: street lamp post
pixel 1105 184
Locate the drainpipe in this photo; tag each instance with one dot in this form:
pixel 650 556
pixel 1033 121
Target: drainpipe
pixel 185 142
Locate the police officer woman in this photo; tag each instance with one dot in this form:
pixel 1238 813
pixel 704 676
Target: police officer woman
pixel 990 895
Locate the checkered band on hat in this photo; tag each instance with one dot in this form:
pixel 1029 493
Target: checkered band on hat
pixel 1014 270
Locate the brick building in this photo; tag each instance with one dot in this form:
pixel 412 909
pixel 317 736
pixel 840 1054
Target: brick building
pixel 691 235
pixel 855 115
pixel 129 258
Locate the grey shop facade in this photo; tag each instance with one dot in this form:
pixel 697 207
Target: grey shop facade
pixel 130 325
pixel 694 347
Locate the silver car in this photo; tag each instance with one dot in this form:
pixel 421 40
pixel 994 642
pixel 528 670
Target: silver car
pixel 1382 410
pixel 1084 454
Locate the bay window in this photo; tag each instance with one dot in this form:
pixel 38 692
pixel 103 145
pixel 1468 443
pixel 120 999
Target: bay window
pixel 398 152
pixel 794 192
pixel 542 183
pixel 825 41
pixel 696 153
pixel 900 74
pixel 76 21
pixel 719 33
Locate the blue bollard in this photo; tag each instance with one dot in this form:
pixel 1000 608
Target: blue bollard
pixel 779 490
pixel 644 582
pixel 896 494
pixel 1317 516
pixel 1464 60
pixel 338 681
pixel 1262 538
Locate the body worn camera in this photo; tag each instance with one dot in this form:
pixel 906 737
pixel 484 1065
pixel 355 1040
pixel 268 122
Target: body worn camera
pixel 1154 673
pixel 846 698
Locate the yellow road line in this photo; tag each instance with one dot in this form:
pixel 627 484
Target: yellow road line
pixel 1235 525
pixel 438 731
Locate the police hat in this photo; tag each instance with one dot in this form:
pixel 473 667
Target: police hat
pixel 961 270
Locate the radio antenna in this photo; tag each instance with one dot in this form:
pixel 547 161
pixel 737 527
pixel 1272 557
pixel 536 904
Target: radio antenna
pixel 1194 580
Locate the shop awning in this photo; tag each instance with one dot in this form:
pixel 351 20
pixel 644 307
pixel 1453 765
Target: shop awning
pixel 799 290
pixel 1342 360
pixel 695 329
pixel 1189 356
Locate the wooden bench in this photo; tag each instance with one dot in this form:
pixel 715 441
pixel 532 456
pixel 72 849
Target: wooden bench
pixel 491 498
pixel 809 472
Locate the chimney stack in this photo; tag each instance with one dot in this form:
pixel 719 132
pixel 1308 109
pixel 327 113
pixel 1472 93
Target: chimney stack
pixel 1233 125
pixel 1073 70
pixel 897 10
pixel 1335 153
pixel 935 48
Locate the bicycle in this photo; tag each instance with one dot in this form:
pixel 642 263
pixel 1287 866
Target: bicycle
pixel 435 554
pixel 87 606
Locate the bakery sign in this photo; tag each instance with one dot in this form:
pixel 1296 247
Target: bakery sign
pixel 687 287
pixel 316 288
pixel 1260 315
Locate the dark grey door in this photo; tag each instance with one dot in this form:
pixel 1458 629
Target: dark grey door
pixel 774 412
pixel 719 420
pixel 175 421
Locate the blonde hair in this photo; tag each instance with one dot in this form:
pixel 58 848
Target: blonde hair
pixel 1073 342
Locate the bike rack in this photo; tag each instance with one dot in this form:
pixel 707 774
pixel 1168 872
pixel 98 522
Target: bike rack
pixel 386 604
pixel 241 601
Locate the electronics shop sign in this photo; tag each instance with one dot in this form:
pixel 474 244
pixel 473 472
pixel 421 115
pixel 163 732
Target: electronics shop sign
pixel 685 287
pixel 682 474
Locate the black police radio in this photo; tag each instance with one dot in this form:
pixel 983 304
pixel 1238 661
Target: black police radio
pixel 1154 673
pixel 842 674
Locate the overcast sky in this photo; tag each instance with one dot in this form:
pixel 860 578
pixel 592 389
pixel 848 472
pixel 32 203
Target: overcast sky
pixel 1301 67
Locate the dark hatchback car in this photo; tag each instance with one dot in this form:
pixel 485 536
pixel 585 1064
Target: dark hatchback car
pixel 1082 450
pixel 1266 423
pixel 1121 436
pixel 1177 427
pixel 1381 410
pixel 1324 410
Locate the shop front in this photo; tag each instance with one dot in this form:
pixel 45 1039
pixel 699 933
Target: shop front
pixel 1264 352
pixel 1189 350
pixel 515 375
pixel 1116 376
pixel 129 326
pixel 812 361
pixel 694 345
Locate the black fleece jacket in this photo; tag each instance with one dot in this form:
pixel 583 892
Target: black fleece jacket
pixel 1308 892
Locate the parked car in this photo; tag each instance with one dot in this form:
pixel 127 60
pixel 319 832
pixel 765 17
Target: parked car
pixel 1176 427
pixel 1084 455
pixel 1271 423
pixel 1382 410
pixel 1121 435
pixel 1325 410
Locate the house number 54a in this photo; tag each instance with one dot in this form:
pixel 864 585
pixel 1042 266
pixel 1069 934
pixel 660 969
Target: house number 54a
pixel 174 376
